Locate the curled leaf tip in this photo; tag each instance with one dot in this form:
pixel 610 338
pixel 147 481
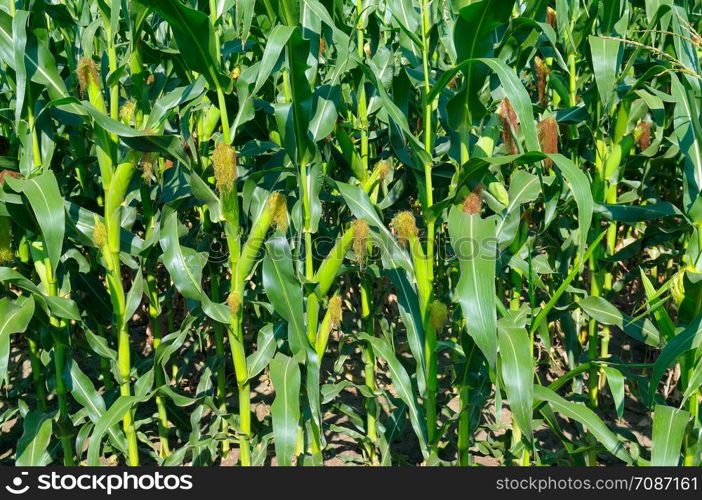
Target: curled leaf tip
pixel 361 233
pixel 224 162
pixel 404 226
pixel 278 207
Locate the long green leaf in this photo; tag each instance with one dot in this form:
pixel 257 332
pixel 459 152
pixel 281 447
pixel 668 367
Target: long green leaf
pixel 184 264
pixel 195 38
pixel 669 426
pixel 284 290
pixel 403 384
pixel 473 240
pixel 684 341
pixel 518 375
pixel 285 376
pixel 14 318
pixel 33 444
pixel 46 201
pixel 584 415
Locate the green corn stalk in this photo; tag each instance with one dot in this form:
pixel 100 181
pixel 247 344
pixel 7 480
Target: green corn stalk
pixel 405 227
pixel 224 161
pixel 156 330
pixel 324 277
pixel 427 261
pixel 242 261
pixel 366 285
pixel 115 182
pixel 59 327
pixel 399 111
pixel 114 198
pixel 221 374
pixel 155 321
pixel 612 171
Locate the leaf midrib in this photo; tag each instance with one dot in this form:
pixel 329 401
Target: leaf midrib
pixel 294 319
pixel 513 203
pixel 204 55
pixel 36 64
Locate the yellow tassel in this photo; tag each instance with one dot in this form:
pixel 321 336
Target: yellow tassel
pixel 126 111
pixel 335 311
pixel 234 302
pixel 99 234
pixel 642 135
pixel 224 162
pixel 383 167
pixel 551 18
pixel 278 207
pixel 404 226
pixel 438 314
pixel 361 233
pixel 87 74
pixel 6 255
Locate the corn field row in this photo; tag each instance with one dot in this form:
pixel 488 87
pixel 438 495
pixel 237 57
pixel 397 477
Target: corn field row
pixel 372 232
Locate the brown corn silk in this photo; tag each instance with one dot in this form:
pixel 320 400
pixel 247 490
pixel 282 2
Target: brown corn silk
pixel 548 138
pixel 510 126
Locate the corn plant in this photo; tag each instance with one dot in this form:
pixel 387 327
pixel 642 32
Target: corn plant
pixel 361 232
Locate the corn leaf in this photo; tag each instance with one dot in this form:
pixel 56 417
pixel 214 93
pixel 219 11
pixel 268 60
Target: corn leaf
pixel 46 201
pixel 669 426
pixel 588 418
pixel 518 375
pixel 285 375
pixel 33 445
pixel 14 318
pixel 473 240
pixel 195 38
